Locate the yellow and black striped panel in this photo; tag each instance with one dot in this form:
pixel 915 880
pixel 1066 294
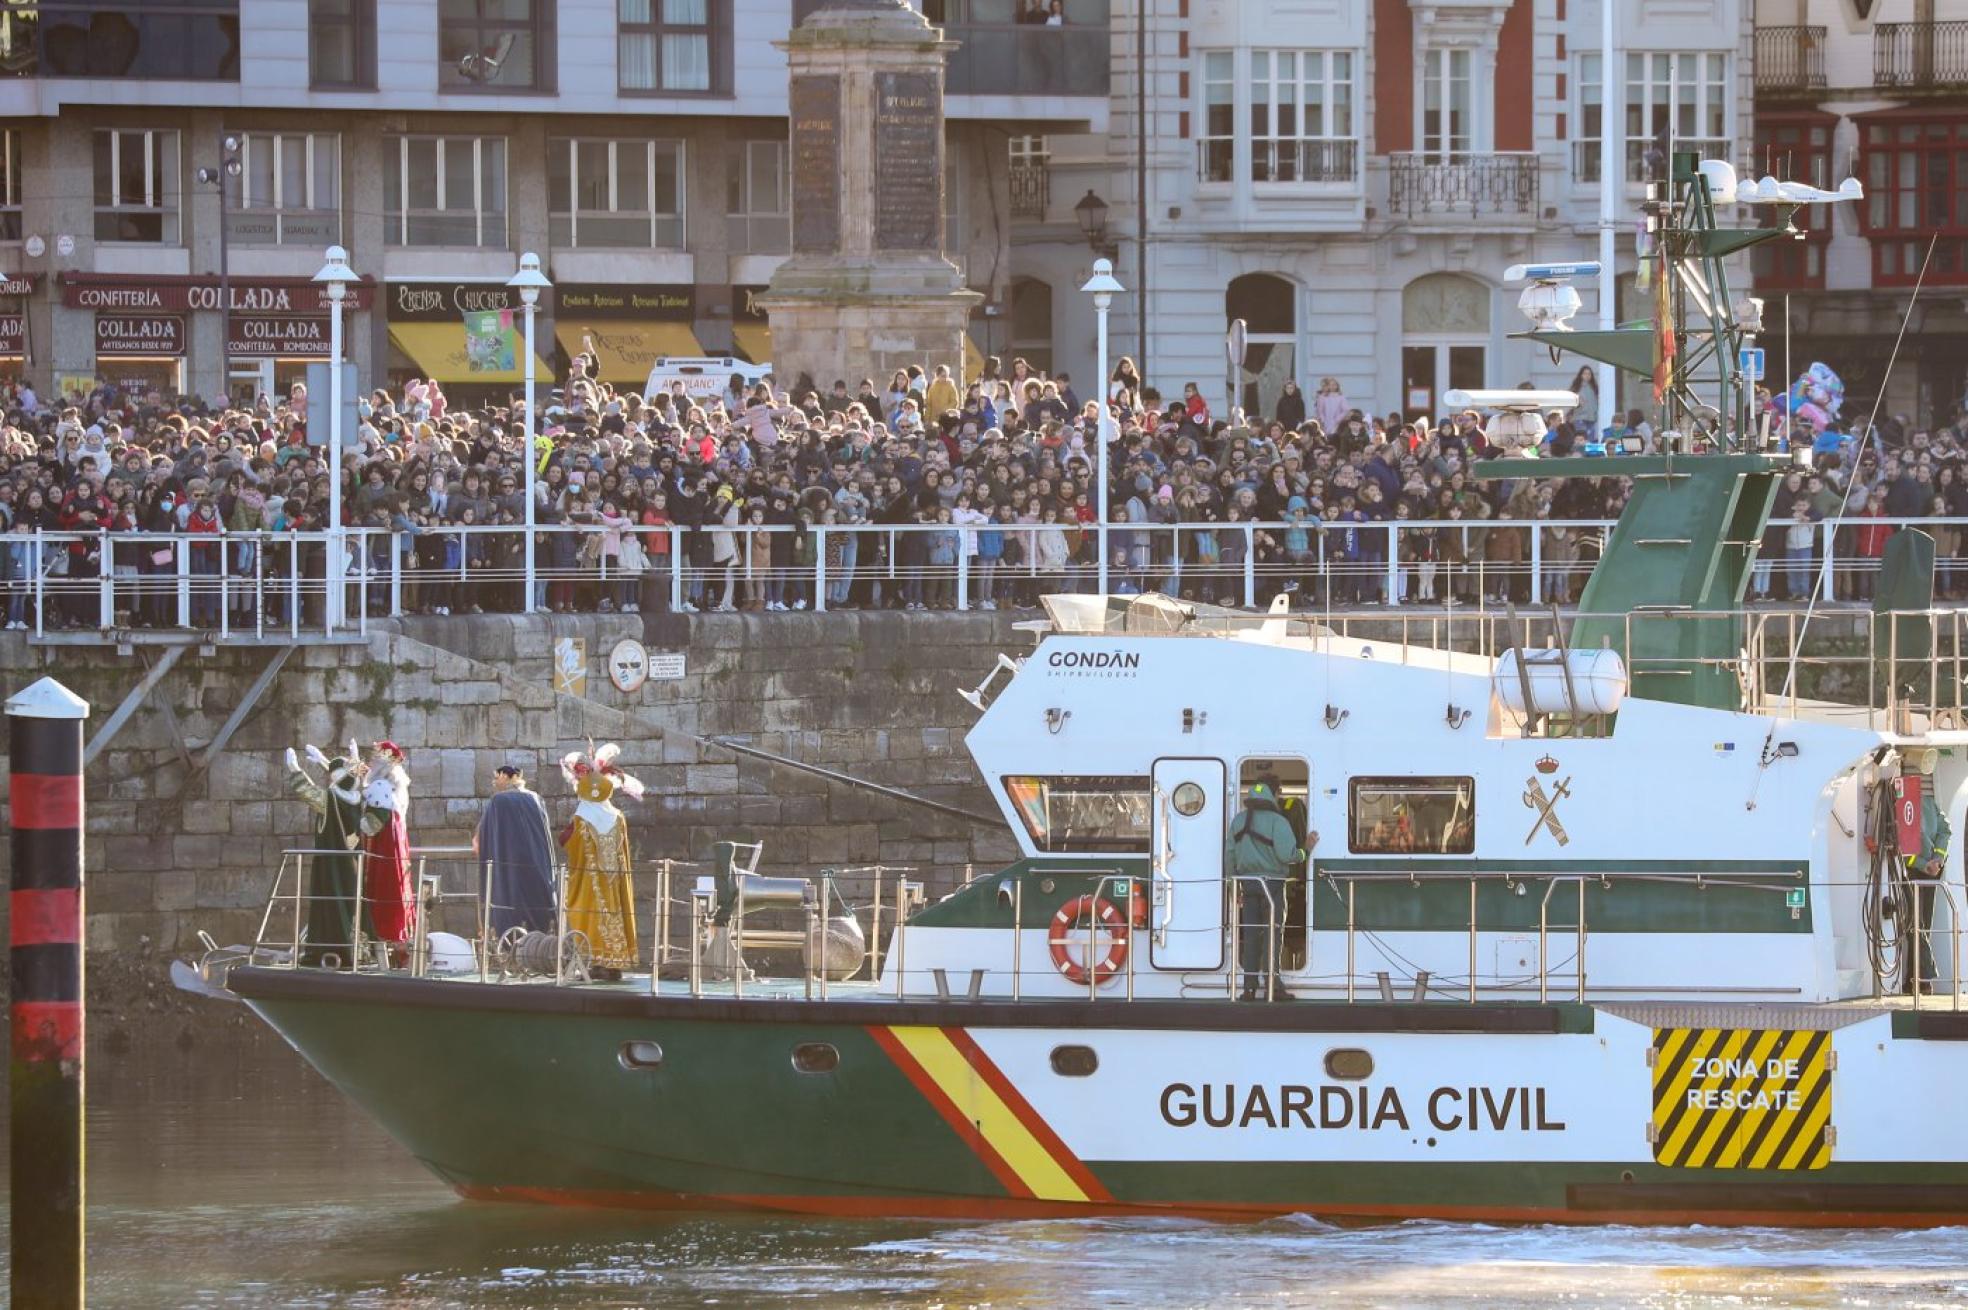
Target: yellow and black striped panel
pixel 1742 1098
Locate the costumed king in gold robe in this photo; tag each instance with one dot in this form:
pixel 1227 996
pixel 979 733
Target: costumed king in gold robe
pixel 600 896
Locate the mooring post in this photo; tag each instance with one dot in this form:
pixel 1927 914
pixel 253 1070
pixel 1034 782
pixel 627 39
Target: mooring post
pixel 45 747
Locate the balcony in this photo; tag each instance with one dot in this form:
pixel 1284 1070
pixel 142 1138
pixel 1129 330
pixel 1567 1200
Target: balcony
pixel 1019 59
pixel 1790 60
pixel 1464 186
pixel 1644 161
pixel 1930 56
pixel 1031 191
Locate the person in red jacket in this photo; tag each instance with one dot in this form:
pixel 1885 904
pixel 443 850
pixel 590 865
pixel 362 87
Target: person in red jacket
pixel 84 511
pixel 207 563
pixel 1869 540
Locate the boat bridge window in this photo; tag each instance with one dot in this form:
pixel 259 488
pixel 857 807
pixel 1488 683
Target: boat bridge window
pixel 1412 816
pixel 1083 814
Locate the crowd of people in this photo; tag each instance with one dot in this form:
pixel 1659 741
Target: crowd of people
pixel 746 491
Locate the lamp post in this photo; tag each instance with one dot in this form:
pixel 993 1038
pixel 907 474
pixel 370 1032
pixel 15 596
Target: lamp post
pixel 1102 286
pixel 334 279
pixel 529 282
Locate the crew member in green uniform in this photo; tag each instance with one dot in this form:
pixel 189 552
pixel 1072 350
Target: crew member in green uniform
pixel 1262 845
pixel 1927 867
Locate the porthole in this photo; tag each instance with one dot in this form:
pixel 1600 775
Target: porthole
pixel 1074 1061
pixel 640 1055
pixel 816 1057
pixel 1189 799
pixel 1348 1062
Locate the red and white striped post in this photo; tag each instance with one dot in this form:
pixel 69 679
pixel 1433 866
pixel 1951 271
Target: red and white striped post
pixel 45 920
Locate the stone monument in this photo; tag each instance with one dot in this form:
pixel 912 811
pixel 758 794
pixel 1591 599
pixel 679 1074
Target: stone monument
pixel 867 289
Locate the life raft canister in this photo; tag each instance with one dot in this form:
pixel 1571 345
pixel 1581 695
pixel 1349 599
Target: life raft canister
pixel 1066 931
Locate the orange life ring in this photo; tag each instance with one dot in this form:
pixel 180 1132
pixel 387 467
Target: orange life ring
pixel 1066 930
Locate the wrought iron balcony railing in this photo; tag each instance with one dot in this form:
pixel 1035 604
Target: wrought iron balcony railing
pixel 1323 159
pixel 1644 159
pixel 1031 190
pixel 1017 59
pixel 1931 55
pixel 1790 58
pixel 1468 184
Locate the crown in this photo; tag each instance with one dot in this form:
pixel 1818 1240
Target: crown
pixel 1546 765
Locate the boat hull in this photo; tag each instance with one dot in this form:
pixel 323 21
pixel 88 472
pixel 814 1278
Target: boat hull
pixel 1512 1113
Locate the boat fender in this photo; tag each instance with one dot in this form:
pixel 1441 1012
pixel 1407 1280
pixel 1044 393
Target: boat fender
pixel 1066 931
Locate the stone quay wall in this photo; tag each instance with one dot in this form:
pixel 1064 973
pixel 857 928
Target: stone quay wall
pixel 177 843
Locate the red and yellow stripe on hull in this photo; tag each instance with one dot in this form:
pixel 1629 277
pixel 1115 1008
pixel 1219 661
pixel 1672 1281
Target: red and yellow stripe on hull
pixel 988 1113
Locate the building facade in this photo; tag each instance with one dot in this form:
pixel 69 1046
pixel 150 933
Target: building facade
pixel 1352 177
pixel 1877 91
pixel 172 173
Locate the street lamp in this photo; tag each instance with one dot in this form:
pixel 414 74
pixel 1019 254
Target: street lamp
pixel 1101 286
pixel 231 166
pixel 334 279
pixel 529 282
pixel 1092 215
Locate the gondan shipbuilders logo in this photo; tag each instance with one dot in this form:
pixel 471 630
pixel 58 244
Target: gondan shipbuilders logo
pixel 1093 663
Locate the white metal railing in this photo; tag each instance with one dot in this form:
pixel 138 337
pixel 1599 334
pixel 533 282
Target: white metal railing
pixel 262 584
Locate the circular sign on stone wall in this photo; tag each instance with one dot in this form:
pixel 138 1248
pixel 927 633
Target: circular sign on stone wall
pixel 628 665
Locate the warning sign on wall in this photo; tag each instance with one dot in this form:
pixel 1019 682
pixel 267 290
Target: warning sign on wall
pixel 1741 1098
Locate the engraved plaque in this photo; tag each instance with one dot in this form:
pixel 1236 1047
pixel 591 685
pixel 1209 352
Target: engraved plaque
pixel 908 161
pixel 816 113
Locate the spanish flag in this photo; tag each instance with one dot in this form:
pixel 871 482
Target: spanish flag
pixel 1663 335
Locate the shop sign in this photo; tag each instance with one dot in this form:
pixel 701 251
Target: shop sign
pixel 13 334
pixel 744 304
pixel 447 302
pixel 16 284
pixel 254 336
pixel 675 303
pixel 139 334
pixel 145 294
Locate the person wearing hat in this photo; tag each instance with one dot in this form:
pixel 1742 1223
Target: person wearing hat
pixel 1261 855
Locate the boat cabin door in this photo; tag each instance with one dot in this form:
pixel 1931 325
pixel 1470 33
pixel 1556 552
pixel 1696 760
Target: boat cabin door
pixel 1187 913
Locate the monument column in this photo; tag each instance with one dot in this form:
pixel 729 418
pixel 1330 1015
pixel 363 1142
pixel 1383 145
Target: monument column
pixel 867 289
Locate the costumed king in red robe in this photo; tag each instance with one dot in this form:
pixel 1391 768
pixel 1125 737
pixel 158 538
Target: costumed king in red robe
pixel 389 880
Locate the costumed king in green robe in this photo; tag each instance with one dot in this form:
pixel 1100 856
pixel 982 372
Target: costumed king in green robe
pixel 334 882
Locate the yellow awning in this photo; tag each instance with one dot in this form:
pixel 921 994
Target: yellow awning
pixel 754 341
pixel 438 350
pixel 624 350
pixel 973 361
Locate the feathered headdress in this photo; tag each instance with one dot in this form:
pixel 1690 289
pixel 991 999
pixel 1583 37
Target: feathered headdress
pixel 574 767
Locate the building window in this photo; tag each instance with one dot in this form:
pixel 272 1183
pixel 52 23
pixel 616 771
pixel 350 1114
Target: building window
pixel 290 190
pixel 1412 816
pixel 137 188
pixel 1916 182
pixel 1031 324
pixel 1083 814
pixel 445 191
pixel 495 45
pixel 761 215
pixel 1590 116
pixel 174 40
pixel 342 44
pixel 1797 150
pixel 627 194
pixel 1301 116
pixel 672 46
pixel 1216 149
pixel 1675 102
pixel 1448 131
pixel 10 184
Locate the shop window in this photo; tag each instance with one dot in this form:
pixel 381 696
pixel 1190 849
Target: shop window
pixel 290 190
pixel 760 199
pixel 10 184
pixel 673 47
pixel 137 189
pixel 445 191
pixel 174 40
pixel 1083 814
pixel 495 45
pixel 621 194
pixel 342 44
pixel 1411 816
pixel 1031 324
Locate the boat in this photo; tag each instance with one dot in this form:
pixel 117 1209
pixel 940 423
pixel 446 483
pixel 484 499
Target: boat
pixel 1632 915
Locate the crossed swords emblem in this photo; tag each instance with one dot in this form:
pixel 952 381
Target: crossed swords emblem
pixel 1547 807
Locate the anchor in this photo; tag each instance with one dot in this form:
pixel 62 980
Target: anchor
pixel 1547 808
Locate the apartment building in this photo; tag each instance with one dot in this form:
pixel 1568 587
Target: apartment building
pixel 172 170
pixel 1352 177
pixel 1877 91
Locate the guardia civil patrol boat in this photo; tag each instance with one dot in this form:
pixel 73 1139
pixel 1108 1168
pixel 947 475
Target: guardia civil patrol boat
pixel 1647 913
